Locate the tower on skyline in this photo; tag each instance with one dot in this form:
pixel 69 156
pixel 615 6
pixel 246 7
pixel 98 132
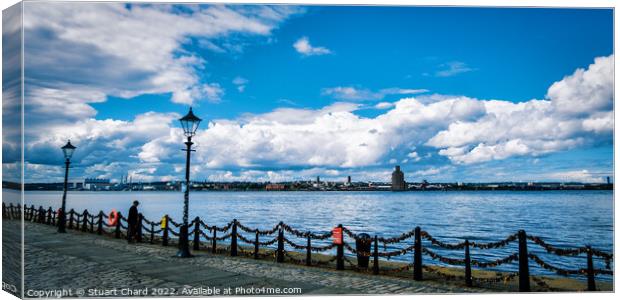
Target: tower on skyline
pixel 398 180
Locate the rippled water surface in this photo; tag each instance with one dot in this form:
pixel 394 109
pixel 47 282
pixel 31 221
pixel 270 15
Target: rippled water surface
pixel 562 218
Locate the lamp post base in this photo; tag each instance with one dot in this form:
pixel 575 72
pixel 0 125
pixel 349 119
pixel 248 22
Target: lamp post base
pixel 183 244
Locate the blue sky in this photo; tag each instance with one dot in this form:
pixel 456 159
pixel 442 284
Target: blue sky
pixel 450 94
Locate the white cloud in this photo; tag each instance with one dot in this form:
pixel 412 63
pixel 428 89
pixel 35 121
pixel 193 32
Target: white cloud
pixel 240 82
pixel 414 156
pixel 384 105
pixel 585 91
pixel 578 113
pixel 453 68
pixel 350 93
pixel 116 50
pixel 304 47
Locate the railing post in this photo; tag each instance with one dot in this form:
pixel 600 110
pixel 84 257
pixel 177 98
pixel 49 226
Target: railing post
pixel 164 239
pixel 10 211
pixel 49 216
pixel 71 219
pixel 417 255
pixel 256 245
pixel 340 251
pixel 309 252
pixel 32 216
pixel 85 220
pixel 152 232
pixel 77 221
pixel 41 216
pixel 4 214
pixel 100 223
pixel 467 265
pixel 280 255
pixel 233 241
pixel 591 282
pixel 92 223
pixel 139 229
pixel 375 256
pixel 197 233
pixel 214 242
pixel 117 232
pixel 524 269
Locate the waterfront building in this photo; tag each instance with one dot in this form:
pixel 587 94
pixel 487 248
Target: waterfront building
pixel 275 187
pixel 96 184
pixel 398 180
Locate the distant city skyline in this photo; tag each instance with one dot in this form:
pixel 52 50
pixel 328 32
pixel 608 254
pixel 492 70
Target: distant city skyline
pixel 293 92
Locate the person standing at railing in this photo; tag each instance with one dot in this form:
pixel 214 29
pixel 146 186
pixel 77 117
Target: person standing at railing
pixel 133 222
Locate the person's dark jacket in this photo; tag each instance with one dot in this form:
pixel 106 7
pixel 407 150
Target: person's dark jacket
pixel 132 218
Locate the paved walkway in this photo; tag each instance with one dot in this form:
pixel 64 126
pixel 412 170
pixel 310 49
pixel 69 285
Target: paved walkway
pixel 84 264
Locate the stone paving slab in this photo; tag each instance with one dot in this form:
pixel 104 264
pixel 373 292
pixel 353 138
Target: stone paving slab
pixel 87 261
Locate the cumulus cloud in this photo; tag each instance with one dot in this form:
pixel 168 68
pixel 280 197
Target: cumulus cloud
pixel 578 112
pixel 304 47
pixel 350 93
pixel 81 53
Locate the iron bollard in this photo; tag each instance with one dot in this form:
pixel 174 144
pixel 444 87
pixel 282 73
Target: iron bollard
pixel 139 229
pixel 340 251
pixel 468 279
pixel 590 271
pixel 4 214
pixel 77 221
pixel 117 232
pixel 41 215
pixel 256 245
pixel 32 216
pixel 152 233
pixel 197 234
pixel 524 269
pixel 375 254
pixel 309 252
pixel 417 255
pixel 362 247
pixel 233 240
pixel 280 255
pixel 100 223
pixel 92 223
pixel 49 216
pixel 85 220
pixel 71 219
pixel 164 239
pixel 214 244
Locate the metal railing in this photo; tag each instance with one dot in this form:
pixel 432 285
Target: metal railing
pixel 234 231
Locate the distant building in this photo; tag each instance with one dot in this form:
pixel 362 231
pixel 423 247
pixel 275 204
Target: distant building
pixel 275 187
pixel 95 184
pixel 398 180
pixel 348 181
pixel 608 180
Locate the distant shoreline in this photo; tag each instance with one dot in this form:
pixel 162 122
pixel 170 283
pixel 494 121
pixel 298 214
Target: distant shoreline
pixel 311 191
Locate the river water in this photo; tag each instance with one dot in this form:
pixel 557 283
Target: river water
pixel 561 218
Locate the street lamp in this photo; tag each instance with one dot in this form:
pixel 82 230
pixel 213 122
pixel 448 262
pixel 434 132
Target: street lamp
pixel 67 150
pixel 190 124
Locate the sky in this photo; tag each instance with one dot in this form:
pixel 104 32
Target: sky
pixel 294 92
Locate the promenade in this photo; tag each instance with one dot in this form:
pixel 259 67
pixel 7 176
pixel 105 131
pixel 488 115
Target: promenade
pixel 92 265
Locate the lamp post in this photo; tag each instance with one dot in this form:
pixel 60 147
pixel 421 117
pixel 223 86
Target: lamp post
pixel 190 124
pixel 67 150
